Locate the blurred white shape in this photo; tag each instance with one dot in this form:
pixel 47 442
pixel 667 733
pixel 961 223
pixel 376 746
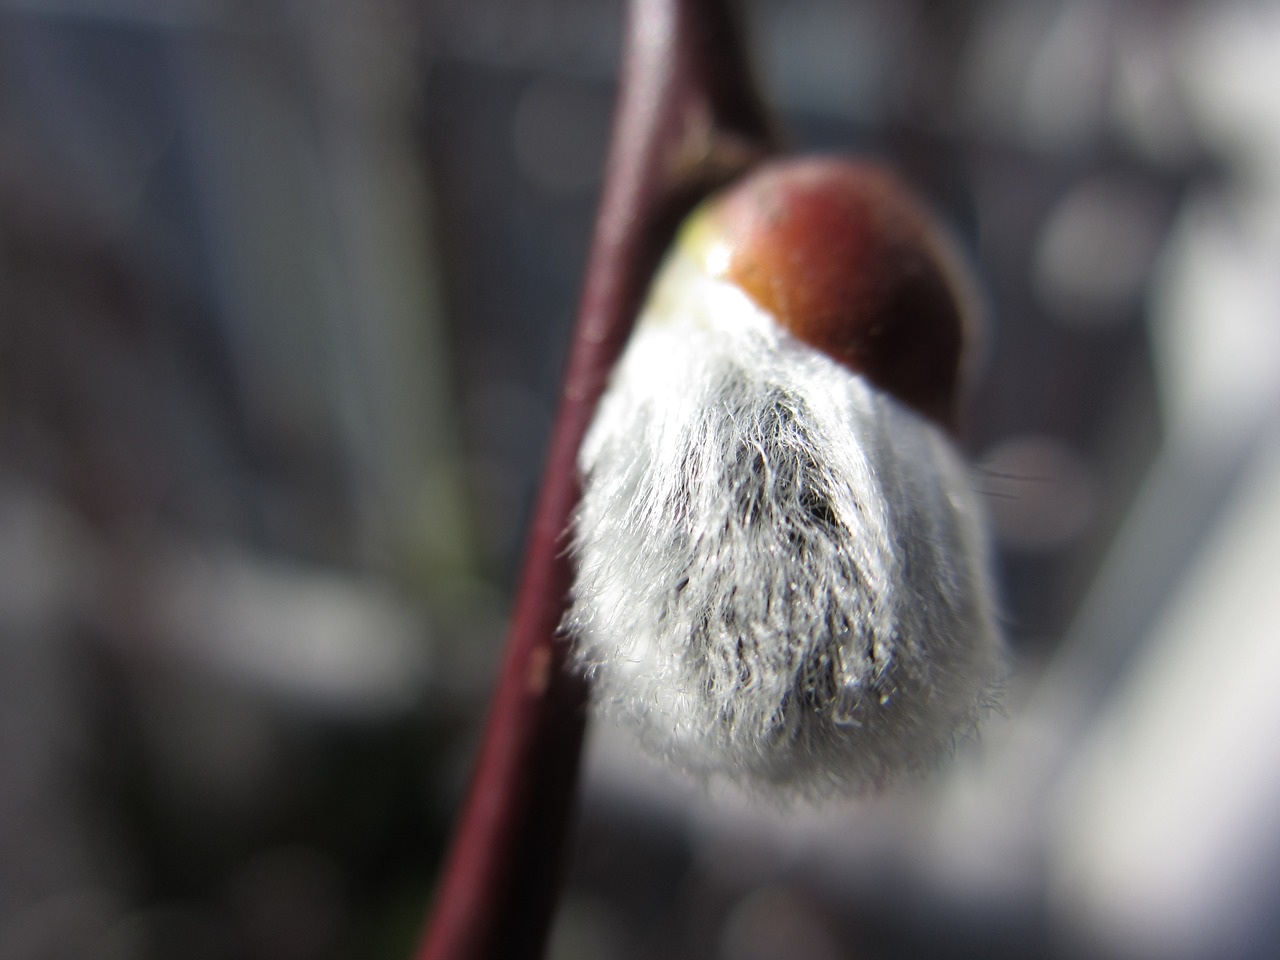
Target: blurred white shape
pixel 1168 840
pixel 315 635
pixel 1217 322
pixel 1217 310
pixel 999 58
pixel 1147 100
pixel 1231 71
pixel 1217 316
pixel 1095 250
pixel 1039 493
pixel 1040 71
pixel 743 837
pixel 772 923
pixel 1064 93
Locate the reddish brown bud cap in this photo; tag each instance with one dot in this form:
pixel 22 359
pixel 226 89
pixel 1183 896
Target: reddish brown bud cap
pixel 843 256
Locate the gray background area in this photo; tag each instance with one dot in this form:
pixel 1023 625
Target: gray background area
pixel 285 289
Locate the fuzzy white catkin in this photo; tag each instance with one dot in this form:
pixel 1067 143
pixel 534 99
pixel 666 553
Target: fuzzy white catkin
pixel 781 572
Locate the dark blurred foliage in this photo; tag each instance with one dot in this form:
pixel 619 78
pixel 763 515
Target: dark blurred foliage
pixel 284 293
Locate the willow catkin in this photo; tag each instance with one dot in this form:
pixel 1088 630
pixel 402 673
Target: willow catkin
pixel 781 567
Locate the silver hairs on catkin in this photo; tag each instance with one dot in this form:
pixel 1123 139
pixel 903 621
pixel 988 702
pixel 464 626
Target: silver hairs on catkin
pixel 782 577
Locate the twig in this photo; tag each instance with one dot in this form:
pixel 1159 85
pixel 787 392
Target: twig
pixel 688 120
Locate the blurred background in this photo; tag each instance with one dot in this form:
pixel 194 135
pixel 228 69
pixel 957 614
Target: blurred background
pixel 285 289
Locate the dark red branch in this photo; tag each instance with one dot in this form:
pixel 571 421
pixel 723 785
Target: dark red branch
pixel 688 120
